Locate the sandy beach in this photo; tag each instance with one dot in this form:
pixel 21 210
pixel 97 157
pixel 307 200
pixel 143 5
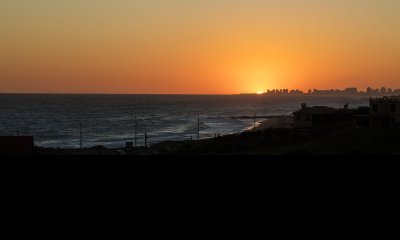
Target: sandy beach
pixel 273 122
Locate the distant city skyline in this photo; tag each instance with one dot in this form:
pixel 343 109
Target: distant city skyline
pixel 333 91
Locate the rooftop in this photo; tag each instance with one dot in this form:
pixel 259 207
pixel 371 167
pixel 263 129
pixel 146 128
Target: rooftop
pixel 317 110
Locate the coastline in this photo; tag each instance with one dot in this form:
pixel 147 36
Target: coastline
pixel 272 122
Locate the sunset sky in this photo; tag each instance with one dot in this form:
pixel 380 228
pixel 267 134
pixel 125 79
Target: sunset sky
pixel 197 46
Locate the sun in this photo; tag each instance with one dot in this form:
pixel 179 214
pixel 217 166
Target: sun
pixel 260 92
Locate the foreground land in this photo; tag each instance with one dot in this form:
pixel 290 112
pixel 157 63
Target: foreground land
pixel 332 140
pixel 284 141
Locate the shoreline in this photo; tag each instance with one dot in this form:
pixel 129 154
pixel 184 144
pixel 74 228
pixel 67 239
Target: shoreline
pixel 272 122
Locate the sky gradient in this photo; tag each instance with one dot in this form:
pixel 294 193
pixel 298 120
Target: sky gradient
pixel 197 46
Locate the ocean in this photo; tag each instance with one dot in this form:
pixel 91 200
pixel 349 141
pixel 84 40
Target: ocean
pixel 109 120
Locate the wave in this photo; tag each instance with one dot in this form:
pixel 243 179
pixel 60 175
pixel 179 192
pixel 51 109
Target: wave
pixel 193 128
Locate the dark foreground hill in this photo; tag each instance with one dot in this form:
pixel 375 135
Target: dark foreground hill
pixel 348 140
pixel 329 140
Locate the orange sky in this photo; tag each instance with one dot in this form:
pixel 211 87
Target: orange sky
pixel 197 46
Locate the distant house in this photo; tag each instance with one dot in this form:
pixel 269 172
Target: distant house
pixel 16 145
pixel 385 112
pixel 309 117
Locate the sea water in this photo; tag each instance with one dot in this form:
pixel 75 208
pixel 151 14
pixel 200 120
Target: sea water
pixel 109 120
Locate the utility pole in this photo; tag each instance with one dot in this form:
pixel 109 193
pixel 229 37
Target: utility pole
pixel 145 139
pixel 135 132
pixel 80 136
pixel 198 127
pixel 255 115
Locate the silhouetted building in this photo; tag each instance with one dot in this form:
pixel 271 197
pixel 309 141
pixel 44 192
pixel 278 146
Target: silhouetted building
pixel 316 91
pixel 351 90
pixel 370 90
pixel 296 92
pixel 385 112
pixel 16 145
pixel 308 117
pixel 383 90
